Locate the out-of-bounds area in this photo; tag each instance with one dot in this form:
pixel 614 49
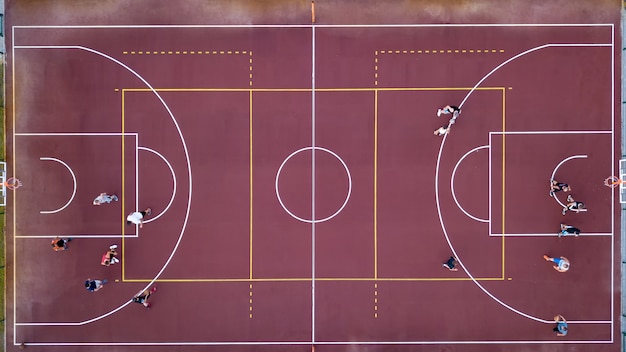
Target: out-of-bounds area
pixel 300 199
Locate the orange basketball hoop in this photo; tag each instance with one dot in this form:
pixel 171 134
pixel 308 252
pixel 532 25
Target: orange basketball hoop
pixel 612 181
pixel 13 183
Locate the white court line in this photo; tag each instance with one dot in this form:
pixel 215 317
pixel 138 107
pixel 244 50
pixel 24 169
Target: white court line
pixel 552 132
pixel 408 25
pixel 173 181
pixel 77 236
pixel 452 184
pixel 328 343
pixel 313 218
pixel 553 234
pixel 439 213
pixel 76 134
pixel 566 45
pixel 613 173
pixel 73 191
pixel 582 156
pixel 190 183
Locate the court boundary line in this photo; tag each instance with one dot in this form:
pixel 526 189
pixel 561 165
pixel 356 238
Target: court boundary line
pixel 392 342
pixel 408 25
pixel 329 343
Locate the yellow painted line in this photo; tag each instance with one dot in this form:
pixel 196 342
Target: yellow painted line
pixel 399 89
pixel 250 315
pixel 375 184
pixel 251 186
pixel 503 171
pixel 375 300
pixel 408 279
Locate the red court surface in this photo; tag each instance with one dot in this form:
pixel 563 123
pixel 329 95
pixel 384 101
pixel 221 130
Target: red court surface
pixel 300 200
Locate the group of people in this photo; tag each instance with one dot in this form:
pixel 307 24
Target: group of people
pixel 572 205
pixel 562 264
pixel 110 256
pixel 448 109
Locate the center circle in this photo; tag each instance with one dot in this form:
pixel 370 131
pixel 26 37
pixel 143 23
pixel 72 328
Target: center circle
pixel 312 149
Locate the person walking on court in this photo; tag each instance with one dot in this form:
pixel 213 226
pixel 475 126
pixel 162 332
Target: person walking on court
pixel 104 198
pixel 450 109
pixel 109 257
pixel 573 205
pixel 569 230
pixel 137 217
pixel 60 244
pixel 451 264
pixel 142 297
pixel 562 263
pixel 94 285
pixel 444 129
pixel 558 187
pixel 561 325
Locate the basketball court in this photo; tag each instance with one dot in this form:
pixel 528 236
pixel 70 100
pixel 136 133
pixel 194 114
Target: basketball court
pixel 299 197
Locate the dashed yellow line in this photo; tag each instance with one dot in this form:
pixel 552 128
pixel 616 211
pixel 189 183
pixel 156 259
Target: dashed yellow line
pixel 375 300
pixel 187 52
pixel 442 51
pixel 250 301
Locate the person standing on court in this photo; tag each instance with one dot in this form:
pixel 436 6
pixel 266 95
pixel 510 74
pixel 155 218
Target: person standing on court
pixel 558 187
pixel 450 109
pixel 60 244
pixel 561 325
pixel 450 264
pixel 109 257
pixel 137 217
pixel 569 230
pixel 573 205
pixel 142 297
pixel 562 263
pixel 104 198
pixel 94 285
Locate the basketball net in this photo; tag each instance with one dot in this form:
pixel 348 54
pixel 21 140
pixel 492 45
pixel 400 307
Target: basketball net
pixel 13 183
pixel 612 181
